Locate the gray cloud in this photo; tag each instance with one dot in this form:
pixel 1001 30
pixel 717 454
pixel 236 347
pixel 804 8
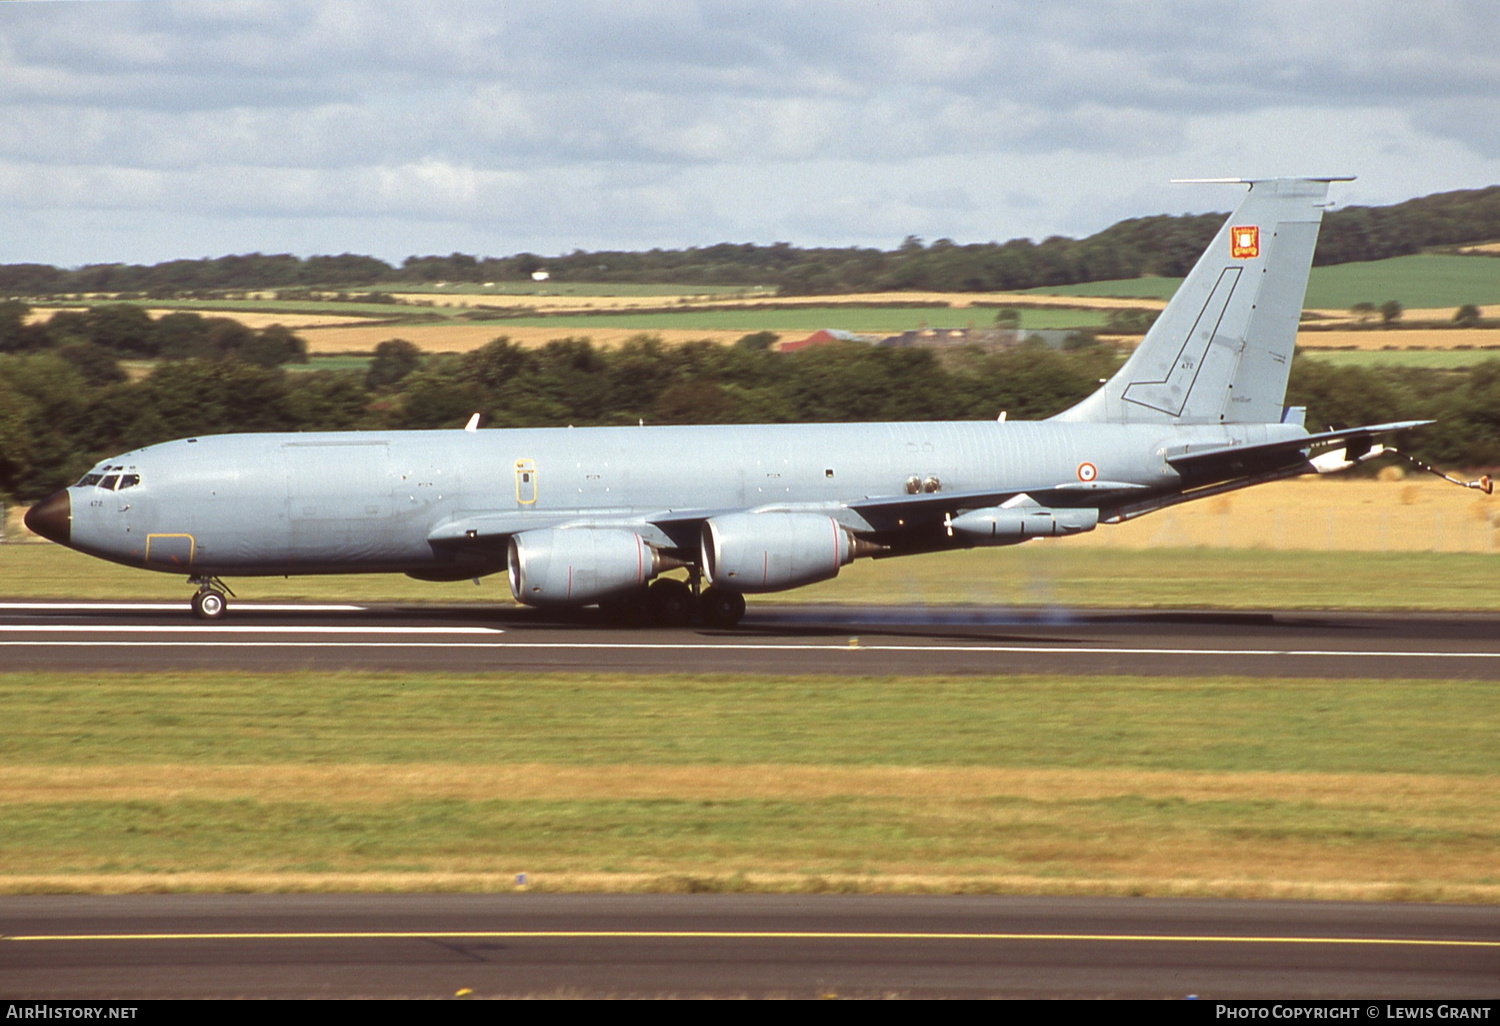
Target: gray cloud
pixel 602 122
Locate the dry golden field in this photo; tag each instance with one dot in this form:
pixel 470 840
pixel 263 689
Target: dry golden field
pixel 1416 338
pixel 42 314
pixel 385 782
pixel 1411 514
pixel 562 303
pixel 463 336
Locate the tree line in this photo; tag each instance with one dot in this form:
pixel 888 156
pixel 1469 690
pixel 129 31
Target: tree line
pixel 1160 245
pixel 57 418
pixel 94 340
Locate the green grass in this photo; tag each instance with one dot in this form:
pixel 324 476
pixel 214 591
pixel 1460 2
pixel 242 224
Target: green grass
pixel 340 362
pixel 1095 785
pixel 848 317
pixel 810 318
pixel 321 718
pixel 1417 281
pixel 808 839
pixel 1115 288
pixel 1439 359
pixel 380 311
pixel 1037 575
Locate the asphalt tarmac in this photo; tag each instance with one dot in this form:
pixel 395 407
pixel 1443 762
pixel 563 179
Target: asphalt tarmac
pixel 126 947
pixel 520 945
pixel 772 639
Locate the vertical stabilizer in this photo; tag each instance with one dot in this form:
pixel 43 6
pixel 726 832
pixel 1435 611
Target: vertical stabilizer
pixel 1221 350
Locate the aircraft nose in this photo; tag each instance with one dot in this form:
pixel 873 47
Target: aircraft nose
pixel 52 518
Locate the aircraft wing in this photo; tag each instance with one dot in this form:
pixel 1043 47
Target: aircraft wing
pixel 871 513
pixel 894 512
pixel 1236 460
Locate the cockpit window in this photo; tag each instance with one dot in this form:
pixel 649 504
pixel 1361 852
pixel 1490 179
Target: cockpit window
pixel 108 484
pixel 129 481
pixel 89 480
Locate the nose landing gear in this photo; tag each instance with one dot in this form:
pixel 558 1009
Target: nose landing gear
pixel 209 603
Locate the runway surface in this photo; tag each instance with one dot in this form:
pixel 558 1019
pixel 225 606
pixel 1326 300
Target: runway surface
pixel 771 639
pixel 747 945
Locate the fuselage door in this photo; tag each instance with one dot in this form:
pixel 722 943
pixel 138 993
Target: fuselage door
pixel 525 482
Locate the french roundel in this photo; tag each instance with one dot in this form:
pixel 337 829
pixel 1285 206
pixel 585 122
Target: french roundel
pixel 1087 472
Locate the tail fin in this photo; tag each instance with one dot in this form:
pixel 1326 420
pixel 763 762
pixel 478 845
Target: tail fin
pixel 1221 350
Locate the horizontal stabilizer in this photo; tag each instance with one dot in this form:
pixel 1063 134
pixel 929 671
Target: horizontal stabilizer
pixel 1231 460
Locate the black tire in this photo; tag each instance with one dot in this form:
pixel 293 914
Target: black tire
pixel 672 603
pixel 627 610
pixel 722 608
pixel 209 604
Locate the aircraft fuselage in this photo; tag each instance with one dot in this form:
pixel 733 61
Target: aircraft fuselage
pixel 259 504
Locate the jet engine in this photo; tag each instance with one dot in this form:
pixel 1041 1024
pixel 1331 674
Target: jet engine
pixel 576 566
pixel 750 552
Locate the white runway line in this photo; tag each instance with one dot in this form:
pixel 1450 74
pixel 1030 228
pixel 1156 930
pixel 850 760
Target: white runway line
pixel 234 628
pixel 732 647
pixel 173 607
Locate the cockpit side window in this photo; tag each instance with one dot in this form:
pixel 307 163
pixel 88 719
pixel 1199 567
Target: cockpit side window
pixel 108 484
pixel 129 481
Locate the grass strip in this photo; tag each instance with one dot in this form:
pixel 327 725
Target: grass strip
pixel 326 781
pixel 1038 575
pixel 1128 836
pixel 1194 724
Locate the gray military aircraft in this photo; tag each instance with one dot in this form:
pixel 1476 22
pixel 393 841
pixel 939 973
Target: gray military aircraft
pixel 593 515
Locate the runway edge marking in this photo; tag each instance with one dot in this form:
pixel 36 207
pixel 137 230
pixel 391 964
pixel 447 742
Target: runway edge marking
pixel 754 935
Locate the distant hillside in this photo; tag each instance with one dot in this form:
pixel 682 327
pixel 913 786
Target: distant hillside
pixel 1419 281
pixel 1162 245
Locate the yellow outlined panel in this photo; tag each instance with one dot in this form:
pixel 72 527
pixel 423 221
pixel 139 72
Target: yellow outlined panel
pixel 170 548
pixel 526 482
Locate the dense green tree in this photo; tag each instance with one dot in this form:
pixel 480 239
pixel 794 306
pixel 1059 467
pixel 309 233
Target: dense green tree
pixel 394 359
pixel 757 340
pixel 95 364
pixel 17 334
pixel 272 346
pixel 334 401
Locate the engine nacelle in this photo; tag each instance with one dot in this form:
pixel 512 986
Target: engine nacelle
pixel 750 552
pixel 1005 525
pixel 579 565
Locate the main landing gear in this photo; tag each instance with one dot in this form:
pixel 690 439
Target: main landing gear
pixel 209 603
pixel 721 608
pixel 669 602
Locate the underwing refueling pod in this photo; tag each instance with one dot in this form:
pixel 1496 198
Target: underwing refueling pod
pixel 587 516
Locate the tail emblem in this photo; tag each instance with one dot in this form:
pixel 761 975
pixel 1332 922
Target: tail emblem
pixel 1244 242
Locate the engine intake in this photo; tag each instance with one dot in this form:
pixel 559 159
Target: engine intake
pixel 752 552
pixel 575 566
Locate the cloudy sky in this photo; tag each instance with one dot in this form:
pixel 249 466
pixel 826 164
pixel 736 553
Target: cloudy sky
pixel 143 130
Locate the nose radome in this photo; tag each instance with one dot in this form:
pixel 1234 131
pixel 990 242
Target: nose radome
pixel 52 518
